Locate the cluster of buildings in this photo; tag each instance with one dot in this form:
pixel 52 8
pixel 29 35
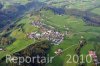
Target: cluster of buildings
pixel 94 57
pixel 46 32
pixel 58 51
pixel 37 24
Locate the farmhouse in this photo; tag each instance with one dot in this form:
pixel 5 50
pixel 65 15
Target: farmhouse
pixel 94 57
pixel 1 49
pixel 58 51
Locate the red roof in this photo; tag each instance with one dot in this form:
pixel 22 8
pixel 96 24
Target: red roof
pixel 93 54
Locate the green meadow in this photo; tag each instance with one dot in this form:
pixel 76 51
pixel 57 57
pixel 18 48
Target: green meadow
pixel 77 28
pixel 21 39
pixel 96 11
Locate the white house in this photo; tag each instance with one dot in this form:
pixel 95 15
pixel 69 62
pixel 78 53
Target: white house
pixel 1 49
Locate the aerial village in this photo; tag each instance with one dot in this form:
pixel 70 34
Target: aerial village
pixel 46 32
pixel 49 33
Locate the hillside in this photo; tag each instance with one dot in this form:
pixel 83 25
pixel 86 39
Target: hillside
pixel 59 29
pixel 16 11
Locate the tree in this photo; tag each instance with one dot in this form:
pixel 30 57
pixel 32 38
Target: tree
pixel 1 5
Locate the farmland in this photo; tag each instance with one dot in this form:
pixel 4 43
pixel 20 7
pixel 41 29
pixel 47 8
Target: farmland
pixel 75 21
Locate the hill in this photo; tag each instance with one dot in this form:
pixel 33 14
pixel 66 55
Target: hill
pixel 75 31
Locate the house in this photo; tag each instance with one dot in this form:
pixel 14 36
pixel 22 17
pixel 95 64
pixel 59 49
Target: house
pixel 58 52
pixel 1 49
pixel 94 57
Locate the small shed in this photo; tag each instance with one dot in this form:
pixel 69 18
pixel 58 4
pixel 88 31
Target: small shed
pixel 1 48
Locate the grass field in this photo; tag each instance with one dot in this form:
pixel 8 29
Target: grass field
pixel 96 11
pixel 73 4
pixel 77 28
pixel 7 3
pixel 21 39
